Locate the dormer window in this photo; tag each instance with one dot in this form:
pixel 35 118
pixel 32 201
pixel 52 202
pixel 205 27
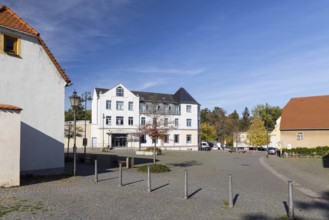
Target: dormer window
pixel 120 91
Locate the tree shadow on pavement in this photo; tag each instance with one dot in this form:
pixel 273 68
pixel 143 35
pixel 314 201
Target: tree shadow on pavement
pixel 186 163
pixel 320 205
pixel 256 217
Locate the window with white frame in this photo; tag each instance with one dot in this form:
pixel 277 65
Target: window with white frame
pixel 130 121
pixel 130 106
pixel 142 107
pixel 188 108
pixel 119 120
pixel 176 122
pixel 300 136
pixel 143 139
pixel 188 122
pixel 176 138
pixel 120 91
pixel 143 121
pixel 119 105
pixel 108 104
pixel 166 122
pixel 166 138
pixel 188 138
pixel 108 120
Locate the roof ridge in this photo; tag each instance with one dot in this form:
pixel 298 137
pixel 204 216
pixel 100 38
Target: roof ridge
pixel 9 107
pixel 21 20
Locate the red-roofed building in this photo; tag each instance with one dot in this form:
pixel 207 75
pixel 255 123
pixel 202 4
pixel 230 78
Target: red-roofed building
pixel 32 79
pixel 305 122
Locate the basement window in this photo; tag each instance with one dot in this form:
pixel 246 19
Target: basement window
pixel 11 45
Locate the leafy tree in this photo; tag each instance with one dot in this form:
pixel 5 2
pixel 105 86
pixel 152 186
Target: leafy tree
pixel 245 120
pixel 69 133
pixel 204 115
pixel 208 132
pixel 257 134
pixel 158 125
pixel 80 114
pixel 268 113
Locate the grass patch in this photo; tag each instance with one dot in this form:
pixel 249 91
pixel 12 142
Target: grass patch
pixel 154 168
pixel 18 205
pixel 151 149
pixel 225 203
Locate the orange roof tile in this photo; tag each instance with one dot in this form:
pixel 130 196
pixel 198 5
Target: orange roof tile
pixel 306 113
pixel 10 20
pixel 9 107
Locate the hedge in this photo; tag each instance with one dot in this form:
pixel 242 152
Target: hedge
pixel 320 151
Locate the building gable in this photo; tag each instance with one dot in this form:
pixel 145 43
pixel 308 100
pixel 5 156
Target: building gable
pixel 9 20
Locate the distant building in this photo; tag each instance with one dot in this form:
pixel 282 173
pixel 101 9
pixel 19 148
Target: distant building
pixel 117 114
pixel 275 135
pixel 32 79
pixel 240 139
pixel 305 122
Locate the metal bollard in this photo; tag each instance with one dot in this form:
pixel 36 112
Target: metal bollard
pixel 120 173
pixel 96 172
pixel 186 186
pixel 290 201
pixel 149 189
pixel 127 162
pixel 230 191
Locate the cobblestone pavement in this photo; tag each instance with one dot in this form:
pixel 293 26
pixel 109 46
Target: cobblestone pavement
pixel 258 193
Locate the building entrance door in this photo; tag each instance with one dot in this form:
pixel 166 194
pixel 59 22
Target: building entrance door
pixel 119 140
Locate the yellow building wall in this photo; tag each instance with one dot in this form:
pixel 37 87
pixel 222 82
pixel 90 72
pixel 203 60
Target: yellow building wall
pixel 311 139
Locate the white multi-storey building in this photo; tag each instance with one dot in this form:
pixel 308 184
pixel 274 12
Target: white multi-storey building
pixel 118 114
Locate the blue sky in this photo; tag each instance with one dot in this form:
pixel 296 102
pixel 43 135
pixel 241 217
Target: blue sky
pixel 232 54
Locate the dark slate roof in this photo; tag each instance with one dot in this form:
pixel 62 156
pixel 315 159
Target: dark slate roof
pixel 100 90
pixel 151 97
pixel 181 96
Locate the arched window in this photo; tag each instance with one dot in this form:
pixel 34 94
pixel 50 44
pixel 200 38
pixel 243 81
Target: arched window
pixel 120 91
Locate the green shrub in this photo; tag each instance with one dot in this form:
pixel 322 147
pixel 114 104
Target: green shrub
pixel 155 168
pixel 151 149
pixel 303 151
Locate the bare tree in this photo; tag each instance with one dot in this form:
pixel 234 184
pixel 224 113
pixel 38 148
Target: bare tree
pixel 69 133
pixel 158 124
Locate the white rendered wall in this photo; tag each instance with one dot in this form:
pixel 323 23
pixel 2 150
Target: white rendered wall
pixel 33 83
pixel 99 108
pixel 10 124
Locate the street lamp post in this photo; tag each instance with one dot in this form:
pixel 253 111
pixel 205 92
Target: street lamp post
pixel 85 97
pixel 75 101
pixel 266 129
pixel 103 130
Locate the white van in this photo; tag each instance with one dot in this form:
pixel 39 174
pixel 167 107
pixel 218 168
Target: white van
pixel 204 146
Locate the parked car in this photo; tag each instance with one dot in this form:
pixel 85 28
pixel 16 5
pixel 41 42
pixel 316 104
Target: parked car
pixel 204 145
pixel 217 146
pixel 260 148
pixel 271 151
pixel 252 148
